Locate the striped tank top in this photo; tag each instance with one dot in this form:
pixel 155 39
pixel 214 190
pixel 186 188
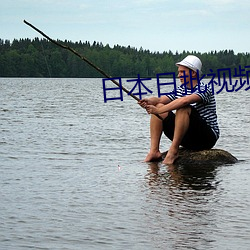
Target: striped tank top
pixel 206 108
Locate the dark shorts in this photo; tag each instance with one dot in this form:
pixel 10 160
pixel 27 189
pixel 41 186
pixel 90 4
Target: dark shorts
pixel 199 135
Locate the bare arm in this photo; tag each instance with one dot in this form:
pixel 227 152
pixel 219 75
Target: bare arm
pixel 154 101
pixel 176 104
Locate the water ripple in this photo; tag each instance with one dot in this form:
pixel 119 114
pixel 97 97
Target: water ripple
pixel 72 175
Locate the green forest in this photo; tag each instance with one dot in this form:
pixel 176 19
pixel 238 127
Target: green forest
pixel 41 58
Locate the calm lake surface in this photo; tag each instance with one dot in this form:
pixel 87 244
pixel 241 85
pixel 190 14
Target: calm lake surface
pixel 72 176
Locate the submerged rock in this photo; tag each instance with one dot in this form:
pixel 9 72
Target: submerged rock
pixel 204 157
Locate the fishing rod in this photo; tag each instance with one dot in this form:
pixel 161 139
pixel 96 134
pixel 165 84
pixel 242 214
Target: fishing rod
pixel 84 59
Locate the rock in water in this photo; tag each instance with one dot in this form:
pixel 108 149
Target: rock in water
pixel 204 157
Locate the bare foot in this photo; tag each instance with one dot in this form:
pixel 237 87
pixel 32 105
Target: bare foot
pixel 170 157
pixel 153 156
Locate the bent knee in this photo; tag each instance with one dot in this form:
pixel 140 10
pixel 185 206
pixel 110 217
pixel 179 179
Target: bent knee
pixel 159 105
pixel 162 115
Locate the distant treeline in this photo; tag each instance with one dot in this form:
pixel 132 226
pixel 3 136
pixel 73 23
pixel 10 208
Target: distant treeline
pixel 41 58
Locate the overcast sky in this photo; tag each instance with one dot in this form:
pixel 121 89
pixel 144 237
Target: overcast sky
pixel 157 25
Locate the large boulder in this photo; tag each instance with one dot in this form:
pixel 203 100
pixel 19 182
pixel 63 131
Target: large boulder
pixel 204 157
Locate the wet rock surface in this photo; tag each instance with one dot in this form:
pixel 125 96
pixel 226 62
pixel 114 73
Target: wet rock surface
pixel 204 157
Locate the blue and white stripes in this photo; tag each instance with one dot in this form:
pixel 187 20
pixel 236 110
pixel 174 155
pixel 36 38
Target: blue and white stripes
pixel 206 108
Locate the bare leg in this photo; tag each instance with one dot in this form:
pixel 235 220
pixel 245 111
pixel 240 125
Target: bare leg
pixel 181 127
pixel 155 137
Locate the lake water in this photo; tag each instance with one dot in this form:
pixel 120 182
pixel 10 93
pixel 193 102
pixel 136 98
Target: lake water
pixel 72 174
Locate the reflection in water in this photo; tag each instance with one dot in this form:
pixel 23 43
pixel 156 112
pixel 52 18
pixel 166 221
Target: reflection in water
pixel 183 197
pixel 188 176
